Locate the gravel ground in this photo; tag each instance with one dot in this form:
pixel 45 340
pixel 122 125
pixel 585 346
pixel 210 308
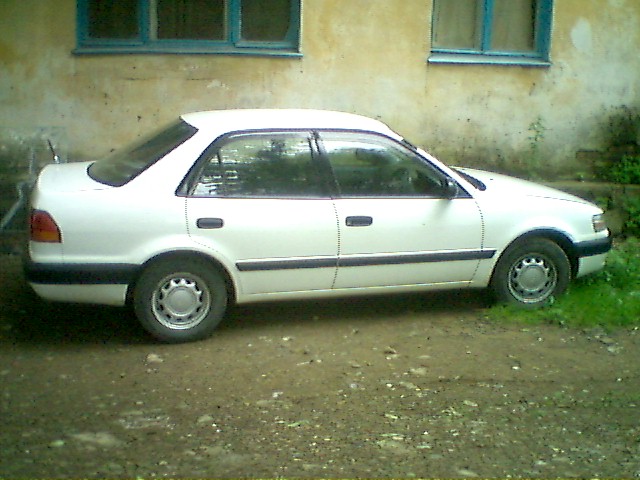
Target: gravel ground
pixel 401 386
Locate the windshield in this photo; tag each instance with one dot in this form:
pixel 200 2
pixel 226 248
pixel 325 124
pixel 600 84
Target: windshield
pixel 122 166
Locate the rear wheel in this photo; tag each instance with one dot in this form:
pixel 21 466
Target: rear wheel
pixel 180 300
pixel 530 273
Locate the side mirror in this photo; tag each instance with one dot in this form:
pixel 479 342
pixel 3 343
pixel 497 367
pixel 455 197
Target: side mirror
pixel 449 188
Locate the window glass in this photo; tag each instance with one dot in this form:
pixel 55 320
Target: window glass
pixel 265 21
pixel 113 19
pixel 261 165
pixel 191 19
pixel 372 167
pixel 456 24
pixel 124 165
pixel 512 27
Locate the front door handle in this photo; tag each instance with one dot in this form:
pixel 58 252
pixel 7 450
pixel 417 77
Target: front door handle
pixel 359 221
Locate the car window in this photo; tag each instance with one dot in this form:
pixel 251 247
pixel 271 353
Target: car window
pixel 373 166
pixel 122 166
pixel 261 165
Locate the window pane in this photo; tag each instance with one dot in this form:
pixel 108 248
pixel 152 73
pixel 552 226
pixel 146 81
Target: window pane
pixel 513 25
pixel 113 19
pixel 265 20
pixel 191 19
pixel 456 24
pixel 261 166
pixel 372 169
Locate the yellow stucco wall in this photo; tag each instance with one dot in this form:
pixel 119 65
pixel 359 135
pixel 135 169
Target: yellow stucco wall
pixel 364 56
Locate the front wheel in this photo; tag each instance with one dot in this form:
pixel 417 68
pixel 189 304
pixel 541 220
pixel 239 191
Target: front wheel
pixel 180 300
pixel 530 273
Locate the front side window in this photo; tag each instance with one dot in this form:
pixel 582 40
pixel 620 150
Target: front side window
pixel 371 166
pixel 260 165
pixel 472 31
pixel 188 26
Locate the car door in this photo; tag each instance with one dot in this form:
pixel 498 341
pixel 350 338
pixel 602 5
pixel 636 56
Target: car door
pixel 402 221
pixel 259 203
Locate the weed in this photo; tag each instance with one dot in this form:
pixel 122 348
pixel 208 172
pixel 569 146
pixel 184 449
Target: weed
pixel 536 137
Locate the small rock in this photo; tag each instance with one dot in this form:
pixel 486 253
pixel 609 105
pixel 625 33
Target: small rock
pixel 102 439
pixel 204 419
pixel 606 340
pixel 410 386
pixel 154 358
pixel 57 444
pixel 464 472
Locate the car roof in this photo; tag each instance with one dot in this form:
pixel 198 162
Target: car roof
pixel 223 121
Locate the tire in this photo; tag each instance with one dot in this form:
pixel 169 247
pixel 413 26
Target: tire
pixel 531 273
pixel 180 300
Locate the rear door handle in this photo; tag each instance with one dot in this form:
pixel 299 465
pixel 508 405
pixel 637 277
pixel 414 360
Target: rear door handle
pixel 359 221
pixel 209 223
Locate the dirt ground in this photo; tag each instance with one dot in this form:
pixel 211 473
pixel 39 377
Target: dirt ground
pixel 402 386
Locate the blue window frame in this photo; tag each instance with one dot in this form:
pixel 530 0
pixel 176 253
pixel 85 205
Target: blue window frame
pixel 257 27
pixel 491 31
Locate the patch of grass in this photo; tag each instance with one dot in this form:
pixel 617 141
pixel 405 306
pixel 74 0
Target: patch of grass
pixel 632 207
pixel 626 171
pixel 609 299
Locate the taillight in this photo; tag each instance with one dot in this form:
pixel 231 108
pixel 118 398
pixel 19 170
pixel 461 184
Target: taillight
pixel 44 228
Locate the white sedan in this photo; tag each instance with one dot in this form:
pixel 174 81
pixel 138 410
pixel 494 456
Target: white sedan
pixel 254 205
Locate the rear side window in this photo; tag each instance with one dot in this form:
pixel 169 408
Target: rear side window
pixel 269 165
pixel 122 166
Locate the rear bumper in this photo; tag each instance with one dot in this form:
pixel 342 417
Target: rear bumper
pixel 80 283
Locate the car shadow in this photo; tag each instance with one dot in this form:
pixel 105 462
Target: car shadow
pixel 361 309
pixel 27 320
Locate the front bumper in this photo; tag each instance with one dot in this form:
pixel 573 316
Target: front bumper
pixel 592 255
pixel 593 247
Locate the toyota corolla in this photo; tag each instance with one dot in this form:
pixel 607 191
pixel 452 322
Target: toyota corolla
pixel 256 205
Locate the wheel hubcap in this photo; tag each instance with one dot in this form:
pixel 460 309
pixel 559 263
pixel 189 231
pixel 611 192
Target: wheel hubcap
pixel 181 301
pixel 532 279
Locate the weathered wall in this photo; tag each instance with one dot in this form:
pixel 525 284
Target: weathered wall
pixel 365 56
